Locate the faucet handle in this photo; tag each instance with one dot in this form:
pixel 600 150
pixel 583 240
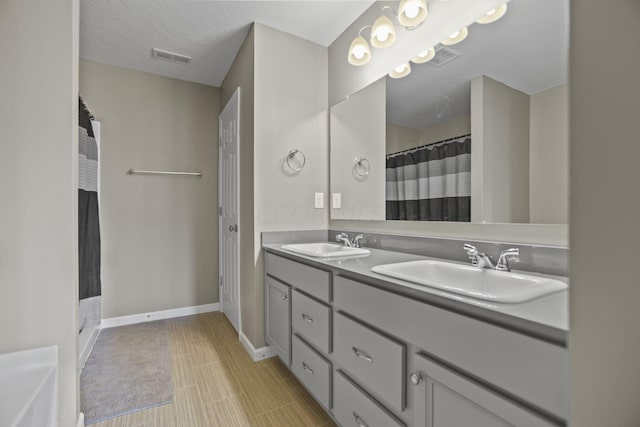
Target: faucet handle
pixel 341 236
pixel 356 240
pixel 505 256
pixel 472 253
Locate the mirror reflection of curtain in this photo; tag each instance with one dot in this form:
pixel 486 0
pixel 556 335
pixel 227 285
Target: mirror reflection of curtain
pixel 88 221
pixel 431 183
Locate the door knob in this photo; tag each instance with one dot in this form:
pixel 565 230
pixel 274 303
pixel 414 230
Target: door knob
pixel 415 378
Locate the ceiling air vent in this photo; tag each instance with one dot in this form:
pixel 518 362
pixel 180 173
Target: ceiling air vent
pixel 443 56
pixel 170 56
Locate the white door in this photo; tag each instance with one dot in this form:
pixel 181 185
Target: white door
pixel 229 125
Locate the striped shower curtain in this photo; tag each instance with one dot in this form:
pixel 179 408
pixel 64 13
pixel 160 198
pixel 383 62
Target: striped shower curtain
pixel 432 183
pixel 88 221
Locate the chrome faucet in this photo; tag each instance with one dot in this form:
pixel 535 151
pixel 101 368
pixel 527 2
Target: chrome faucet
pixel 478 259
pixel 482 260
pixel 344 238
pixel 503 260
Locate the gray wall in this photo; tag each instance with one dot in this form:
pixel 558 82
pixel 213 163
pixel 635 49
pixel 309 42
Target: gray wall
pixel 290 110
pixel 500 143
pixel 159 233
pixel 358 130
pixel 604 104
pixel 401 138
pixel 38 175
pixel 241 74
pixel 549 156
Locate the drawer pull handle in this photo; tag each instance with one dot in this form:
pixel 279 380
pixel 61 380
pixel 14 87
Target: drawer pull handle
pixel 283 297
pixel 362 355
pixel 307 318
pixel 359 420
pixel 307 368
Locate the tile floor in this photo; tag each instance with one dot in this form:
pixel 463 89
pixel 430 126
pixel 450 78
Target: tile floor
pixel 216 383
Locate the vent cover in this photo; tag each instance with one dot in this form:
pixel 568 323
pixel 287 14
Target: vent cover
pixel 170 56
pixel 443 56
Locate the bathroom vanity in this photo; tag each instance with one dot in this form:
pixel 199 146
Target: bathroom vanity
pixel 377 351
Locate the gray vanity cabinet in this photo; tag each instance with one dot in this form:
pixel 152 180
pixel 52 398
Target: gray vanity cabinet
pixel 444 398
pixel 278 318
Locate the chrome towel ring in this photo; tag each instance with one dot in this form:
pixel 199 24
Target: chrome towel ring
pixel 362 167
pixel 293 154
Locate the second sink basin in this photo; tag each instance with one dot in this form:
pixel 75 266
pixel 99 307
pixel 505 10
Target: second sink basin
pixel 325 250
pixel 481 283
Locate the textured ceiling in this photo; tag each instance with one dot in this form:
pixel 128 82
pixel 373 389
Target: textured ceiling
pixel 528 49
pixel 122 32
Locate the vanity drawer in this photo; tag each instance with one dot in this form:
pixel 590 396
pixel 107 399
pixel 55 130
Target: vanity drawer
pixel 530 369
pixel 312 370
pixel 312 319
pixel 375 360
pixel 311 280
pixel 353 408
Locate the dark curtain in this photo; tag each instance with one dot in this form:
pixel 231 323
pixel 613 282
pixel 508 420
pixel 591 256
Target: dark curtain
pixel 432 183
pixel 88 219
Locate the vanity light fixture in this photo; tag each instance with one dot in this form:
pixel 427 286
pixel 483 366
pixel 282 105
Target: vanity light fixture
pixel 412 13
pixel 456 37
pixel 425 56
pixel 493 15
pixel 359 51
pixel 400 71
pixel 383 34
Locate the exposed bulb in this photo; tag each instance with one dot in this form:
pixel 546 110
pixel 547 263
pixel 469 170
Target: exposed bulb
pixel 493 15
pixel 359 52
pixel 412 13
pixel 456 37
pixel 425 56
pixel 383 34
pixel 400 71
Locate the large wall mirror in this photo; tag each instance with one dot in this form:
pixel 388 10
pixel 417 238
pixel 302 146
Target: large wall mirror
pixel 477 134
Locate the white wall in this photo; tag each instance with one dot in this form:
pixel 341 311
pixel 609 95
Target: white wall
pixel 38 185
pixel 159 233
pixel 290 112
pixel 549 156
pixel 604 108
pixel 358 130
pixel 500 153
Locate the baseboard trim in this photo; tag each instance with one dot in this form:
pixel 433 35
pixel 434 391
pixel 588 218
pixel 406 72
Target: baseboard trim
pixel 256 354
pixel 88 348
pixel 158 315
pixel 81 420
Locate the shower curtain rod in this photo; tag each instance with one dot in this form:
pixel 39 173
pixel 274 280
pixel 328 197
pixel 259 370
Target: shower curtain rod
pixel 145 172
pixel 409 150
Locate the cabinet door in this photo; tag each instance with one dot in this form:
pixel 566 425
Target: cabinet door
pixel 444 398
pixel 278 317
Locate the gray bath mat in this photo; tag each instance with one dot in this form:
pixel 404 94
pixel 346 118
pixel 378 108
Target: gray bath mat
pixel 128 370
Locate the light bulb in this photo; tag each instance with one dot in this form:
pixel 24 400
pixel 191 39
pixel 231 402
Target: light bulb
pixel 383 34
pixel 456 37
pixel 400 71
pixel 412 13
pixel 493 15
pixel 425 56
pixel 359 52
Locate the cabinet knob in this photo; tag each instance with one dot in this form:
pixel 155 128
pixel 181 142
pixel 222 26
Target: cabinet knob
pixel 283 297
pixel 415 378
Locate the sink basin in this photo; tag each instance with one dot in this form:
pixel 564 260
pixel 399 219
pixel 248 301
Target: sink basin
pixel 481 283
pixel 325 250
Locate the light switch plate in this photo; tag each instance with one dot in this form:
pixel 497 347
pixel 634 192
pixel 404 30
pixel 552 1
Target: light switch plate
pixel 337 201
pixel 319 200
